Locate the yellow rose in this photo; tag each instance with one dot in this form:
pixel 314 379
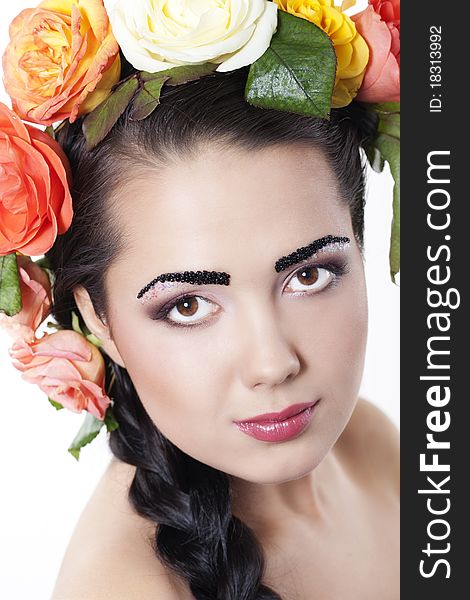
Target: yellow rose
pixel 62 60
pixel 352 52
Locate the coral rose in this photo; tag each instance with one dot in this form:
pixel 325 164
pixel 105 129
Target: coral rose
pixel 62 60
pixel 154 36
pixel 67 367
pixel 379 23
pixel 35 200
pixel 36 299
pixel 352 52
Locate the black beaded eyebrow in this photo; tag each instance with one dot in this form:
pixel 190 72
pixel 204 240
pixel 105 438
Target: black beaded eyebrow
pixel 194 277
pixel 222 278
pixel 307 251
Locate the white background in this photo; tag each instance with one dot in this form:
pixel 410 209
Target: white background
pixel 44 489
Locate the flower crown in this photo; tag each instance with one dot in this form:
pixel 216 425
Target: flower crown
pixel 64 61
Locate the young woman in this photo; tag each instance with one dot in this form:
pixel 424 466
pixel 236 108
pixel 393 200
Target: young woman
pixel 201 212
pixel 201 501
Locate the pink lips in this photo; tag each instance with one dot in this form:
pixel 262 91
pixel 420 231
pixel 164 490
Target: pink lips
pixel 280 426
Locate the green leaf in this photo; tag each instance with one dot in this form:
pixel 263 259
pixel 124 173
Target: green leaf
pixel 76 323
pixel 386 107
pixel 390 124
pixel 148 98
pixel 297 71
pixel 181 74
pixel 55 404
pixel 50 131
pixel 100 121
pixel 85 331
pixel 53 325
pixel 389 147
pixel 10 291
pixel 386 147
pixel 44 263
pixel 90 428
pixel 110 420
pixel 94 340
pixel 376 160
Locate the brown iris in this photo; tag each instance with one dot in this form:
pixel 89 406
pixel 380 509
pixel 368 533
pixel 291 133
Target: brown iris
pixel 189 304
pixel 308 276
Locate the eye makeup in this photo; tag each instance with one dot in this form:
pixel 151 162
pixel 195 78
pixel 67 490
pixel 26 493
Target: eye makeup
pixel 331 273
pixel 168 280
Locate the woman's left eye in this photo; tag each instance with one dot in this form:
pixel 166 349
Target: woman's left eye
pixel 314 278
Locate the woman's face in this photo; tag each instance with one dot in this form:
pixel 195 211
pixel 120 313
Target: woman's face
pixel 267 340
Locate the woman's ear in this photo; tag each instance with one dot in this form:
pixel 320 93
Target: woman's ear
pixel 95 324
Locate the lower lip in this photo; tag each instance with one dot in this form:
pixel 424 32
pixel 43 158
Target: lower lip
pixel 278 431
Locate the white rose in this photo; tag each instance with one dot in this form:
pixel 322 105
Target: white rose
pixel 159 34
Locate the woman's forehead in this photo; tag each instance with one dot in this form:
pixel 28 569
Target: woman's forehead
pixel 231 212
pixel 227 196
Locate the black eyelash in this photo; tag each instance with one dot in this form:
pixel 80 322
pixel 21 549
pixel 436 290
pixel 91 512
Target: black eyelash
pixel 338 269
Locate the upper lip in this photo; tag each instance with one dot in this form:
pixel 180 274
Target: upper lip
pixel 290 411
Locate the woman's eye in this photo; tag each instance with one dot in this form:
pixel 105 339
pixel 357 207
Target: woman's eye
pixel 189 309
pixel 311 278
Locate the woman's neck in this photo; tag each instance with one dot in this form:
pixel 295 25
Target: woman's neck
pixel 264 506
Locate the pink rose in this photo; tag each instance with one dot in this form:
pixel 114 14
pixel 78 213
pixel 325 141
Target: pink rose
pixel 67 367
pixel 36 298
pixel 379 25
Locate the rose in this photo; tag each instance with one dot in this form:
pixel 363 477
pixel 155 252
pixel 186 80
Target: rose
pixel 158 35
pixel 35 201
pixel 379 23
pixel 62 60
pixel 67 367
pixel 36 299
pixel 389 10
pixel 351 50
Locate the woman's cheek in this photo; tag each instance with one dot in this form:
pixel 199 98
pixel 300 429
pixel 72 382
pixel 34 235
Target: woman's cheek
pixel 344 361
pixel 171 370
pixel 332 337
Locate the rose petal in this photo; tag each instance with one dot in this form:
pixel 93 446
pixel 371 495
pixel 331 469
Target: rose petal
pixel 257 45
pixel 387 87
pixel 379 40
pixel 64 344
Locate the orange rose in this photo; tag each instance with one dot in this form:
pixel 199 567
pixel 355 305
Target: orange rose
pixel 67 367
pixel 35 201
pixel 62 60
pixel 379 24
pixel 36 299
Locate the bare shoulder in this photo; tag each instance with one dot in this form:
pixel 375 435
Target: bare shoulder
pixel 109 556
pixel 370 445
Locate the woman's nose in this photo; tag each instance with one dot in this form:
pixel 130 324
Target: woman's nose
pixel 268 356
